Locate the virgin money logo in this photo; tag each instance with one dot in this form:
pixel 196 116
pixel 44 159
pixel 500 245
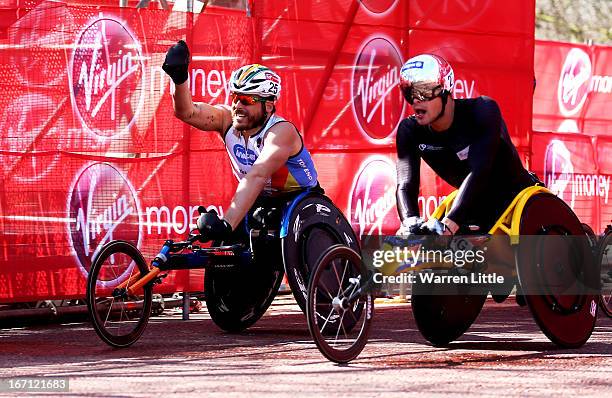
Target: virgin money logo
pixel 372 205
pixel 102 207
pixel 107 78
pixel 32 135
pixel 558 169
pixel 377 100
pixel 574 82
pixel 37 41
pixel 378 7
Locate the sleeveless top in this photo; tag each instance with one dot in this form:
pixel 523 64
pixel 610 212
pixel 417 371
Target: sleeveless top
pixel 297 174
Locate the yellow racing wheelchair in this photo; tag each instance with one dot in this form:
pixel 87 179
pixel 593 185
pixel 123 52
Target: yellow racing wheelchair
pixel 537 246
pixel 539 243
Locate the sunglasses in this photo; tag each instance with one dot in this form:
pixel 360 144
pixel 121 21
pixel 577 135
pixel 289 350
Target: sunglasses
pixel 421 93
pixel 246 99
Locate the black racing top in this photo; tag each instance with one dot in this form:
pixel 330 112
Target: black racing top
pixel 475 155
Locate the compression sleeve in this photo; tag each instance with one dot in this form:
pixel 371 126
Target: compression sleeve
pixel 408 173
pixel 481 155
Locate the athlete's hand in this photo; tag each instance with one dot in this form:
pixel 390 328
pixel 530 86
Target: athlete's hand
pixel 410 226
pixel 433 226
pixel 176 62
pixel 212 227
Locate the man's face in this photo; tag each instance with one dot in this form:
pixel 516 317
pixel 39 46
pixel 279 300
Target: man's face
pixel 246 115
pixel 425 100
pixel 427 111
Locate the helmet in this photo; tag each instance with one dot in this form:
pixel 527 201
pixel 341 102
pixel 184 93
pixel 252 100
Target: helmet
pixel 426 73
pixel 255 79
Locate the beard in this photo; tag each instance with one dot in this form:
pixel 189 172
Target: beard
pixel 248 120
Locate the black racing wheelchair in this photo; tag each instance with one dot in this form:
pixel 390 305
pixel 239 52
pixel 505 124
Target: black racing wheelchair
pixel 539 247
pixel 242 274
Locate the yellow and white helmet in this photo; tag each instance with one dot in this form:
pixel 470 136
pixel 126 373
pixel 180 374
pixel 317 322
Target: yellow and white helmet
pixel 255 79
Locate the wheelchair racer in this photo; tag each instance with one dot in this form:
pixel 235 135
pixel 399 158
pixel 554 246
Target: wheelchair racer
pixel 266 152
pixel 465 141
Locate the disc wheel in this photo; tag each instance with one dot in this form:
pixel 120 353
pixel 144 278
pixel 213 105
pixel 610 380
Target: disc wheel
pixel 443 312
pixel 118 317
pixel 314 225
pixel 338 325
pixel 604 256
pixel 237 298
pixel 556 271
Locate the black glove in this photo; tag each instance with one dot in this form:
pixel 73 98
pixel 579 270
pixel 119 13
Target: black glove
pixel 176 62
pixel 211 227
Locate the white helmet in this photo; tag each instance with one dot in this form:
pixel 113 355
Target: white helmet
pixel 427 72
pixel 255 79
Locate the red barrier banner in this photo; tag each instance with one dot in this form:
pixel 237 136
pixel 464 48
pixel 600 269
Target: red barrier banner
pixel 574 88
pixel 90 149
pixel 568 164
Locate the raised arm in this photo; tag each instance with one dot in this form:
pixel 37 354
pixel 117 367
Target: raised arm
pixel 200 115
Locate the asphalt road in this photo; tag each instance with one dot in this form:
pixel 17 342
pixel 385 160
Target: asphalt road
pixel 503 354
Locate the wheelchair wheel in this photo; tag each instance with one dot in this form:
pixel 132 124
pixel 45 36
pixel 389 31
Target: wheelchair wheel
pixel 444 312
pixel 338 326
pixel 556 271
pixel 314 225
pixel 237 298
pixel 604 257
pixel 119 318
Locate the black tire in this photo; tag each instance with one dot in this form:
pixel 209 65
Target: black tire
pixel 604 257
pixel 237 298
pixel 556 271
pixel 340 331
pixel 444 312
pixel 314 225
pixel 590 235
pixel 119 320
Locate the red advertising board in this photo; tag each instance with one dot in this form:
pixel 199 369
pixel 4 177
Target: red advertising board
pixel 91 151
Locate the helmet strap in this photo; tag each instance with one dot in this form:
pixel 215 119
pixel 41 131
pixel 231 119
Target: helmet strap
pixel 444 97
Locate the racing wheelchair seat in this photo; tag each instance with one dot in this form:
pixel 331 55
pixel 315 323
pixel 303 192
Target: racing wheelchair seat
pixel 286 234
pixel 551 263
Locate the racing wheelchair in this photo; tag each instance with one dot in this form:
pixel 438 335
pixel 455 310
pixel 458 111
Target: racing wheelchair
pixel 539 246
pixel 604 257
pixel 242 274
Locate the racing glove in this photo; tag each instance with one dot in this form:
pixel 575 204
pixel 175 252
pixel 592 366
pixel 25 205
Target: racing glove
pixel 176 62
pixel 433 226
pixel 410 226
pixel 212 227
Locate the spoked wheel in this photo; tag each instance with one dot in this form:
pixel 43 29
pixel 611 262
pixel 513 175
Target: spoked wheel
pixel 236 298
pixel 118 317
pixel 556 271
pixel 604 256
pixel 340 304
pixel 444 311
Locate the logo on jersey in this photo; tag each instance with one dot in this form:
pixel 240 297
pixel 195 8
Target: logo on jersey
pixel 574 82
pixel 379 7
pixel 107 77
pixel 244 156
pixel 377 100
pixel 372 205
pixel 102 206
pixel 426 147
